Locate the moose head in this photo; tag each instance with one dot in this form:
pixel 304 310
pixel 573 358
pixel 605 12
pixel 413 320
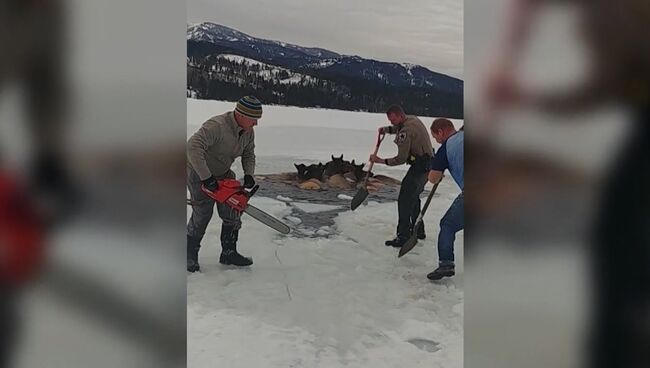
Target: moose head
pixel 336 166
pixel 310 172
pixel 358 171
pixel 301 168
pixel 315 171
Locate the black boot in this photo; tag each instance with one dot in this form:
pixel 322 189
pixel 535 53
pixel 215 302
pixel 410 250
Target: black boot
pixel 229 255
pixel 193 246
pixel 444 270
pixel 397 242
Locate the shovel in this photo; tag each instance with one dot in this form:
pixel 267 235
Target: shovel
pixel 362 194
pixel 410 243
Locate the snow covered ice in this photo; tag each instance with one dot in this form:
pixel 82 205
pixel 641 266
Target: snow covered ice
pixel 284 199
pixel 294 219
pixel 314 208
pixel 336 298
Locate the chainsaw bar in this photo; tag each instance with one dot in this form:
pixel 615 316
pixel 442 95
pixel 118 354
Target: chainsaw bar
pixel 267 219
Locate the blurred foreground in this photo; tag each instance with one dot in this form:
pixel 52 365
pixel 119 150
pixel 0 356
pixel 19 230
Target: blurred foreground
pixel 92 198
pixel 558 192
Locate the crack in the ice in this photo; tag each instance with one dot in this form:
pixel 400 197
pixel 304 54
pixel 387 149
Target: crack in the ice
pixel 277 257
pixel 284 275
pixel 288 292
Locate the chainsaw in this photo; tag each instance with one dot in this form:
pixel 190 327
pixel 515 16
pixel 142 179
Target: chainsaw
pixel 231 193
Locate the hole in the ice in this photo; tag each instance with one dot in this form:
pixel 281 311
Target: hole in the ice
pixel 424 344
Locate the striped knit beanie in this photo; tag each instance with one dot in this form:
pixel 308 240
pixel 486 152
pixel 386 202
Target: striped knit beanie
pixel 249 106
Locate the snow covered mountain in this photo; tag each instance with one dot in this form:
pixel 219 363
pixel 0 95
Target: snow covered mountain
pixel 353 82
pixel 222 35
pixel 263 71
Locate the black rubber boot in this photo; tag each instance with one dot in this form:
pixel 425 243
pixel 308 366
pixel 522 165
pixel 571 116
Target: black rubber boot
pixel 193 246
pixel 229 255
pixel 447 270
pixel 396 243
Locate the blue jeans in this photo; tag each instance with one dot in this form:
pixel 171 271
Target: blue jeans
pixel 452 222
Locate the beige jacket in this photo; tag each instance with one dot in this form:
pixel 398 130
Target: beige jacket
pixel 215 146
pixel 412 139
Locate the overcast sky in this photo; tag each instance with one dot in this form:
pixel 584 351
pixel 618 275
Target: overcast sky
pixel 425 32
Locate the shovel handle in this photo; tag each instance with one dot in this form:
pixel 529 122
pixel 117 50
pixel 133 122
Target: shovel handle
pixel 380 137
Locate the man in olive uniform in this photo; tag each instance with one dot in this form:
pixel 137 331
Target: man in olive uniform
pixel 412 139
pixel 211 152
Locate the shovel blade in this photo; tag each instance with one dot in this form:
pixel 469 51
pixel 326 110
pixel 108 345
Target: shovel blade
pixel 408 246
pixel 358 198
pixel 410 243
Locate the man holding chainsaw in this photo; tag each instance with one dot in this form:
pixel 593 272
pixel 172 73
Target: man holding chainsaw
pixel 450 157
pixel 211 152
pixel 414 148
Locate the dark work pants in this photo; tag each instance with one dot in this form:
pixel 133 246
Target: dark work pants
pixel 203 208
pixel 408 202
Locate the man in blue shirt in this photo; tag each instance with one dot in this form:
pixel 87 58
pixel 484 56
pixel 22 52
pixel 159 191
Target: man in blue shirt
pixel 449 157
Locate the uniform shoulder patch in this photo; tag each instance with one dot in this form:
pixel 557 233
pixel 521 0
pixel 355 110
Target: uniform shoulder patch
pixel 401 136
